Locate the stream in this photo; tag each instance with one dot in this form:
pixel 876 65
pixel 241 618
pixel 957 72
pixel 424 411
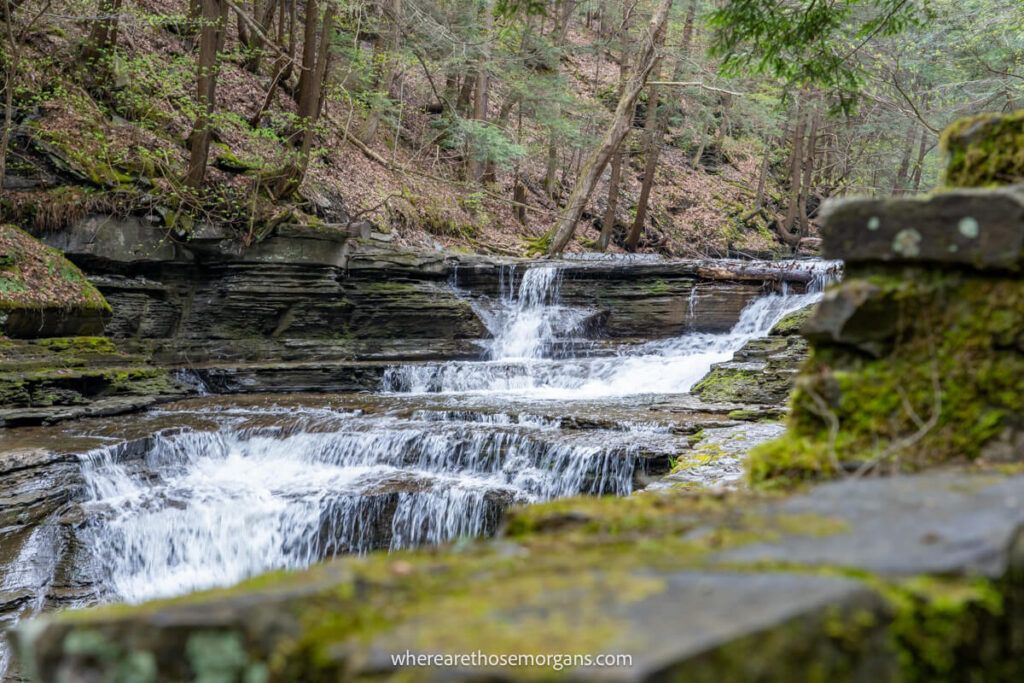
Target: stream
pixel 225 488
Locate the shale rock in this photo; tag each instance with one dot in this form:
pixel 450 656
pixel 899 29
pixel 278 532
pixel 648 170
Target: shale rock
pixel 763 371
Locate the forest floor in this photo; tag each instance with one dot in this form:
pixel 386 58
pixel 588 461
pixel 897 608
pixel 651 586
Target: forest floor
pixel 87 144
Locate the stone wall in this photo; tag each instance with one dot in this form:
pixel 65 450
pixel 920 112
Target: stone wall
pixel 918 356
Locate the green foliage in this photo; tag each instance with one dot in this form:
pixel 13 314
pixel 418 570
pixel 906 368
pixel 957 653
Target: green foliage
pixel 483 141
pixel 806 42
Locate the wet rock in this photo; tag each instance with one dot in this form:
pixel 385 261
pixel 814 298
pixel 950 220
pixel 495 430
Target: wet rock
pixel 763 371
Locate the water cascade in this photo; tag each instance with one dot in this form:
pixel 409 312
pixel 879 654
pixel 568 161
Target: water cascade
pixel 442 451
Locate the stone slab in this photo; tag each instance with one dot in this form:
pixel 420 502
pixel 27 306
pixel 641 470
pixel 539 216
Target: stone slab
pixel 683 616
pixel 978 228
pixel 935 523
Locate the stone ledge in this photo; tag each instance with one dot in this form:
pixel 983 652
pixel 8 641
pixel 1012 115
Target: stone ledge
pixel 691 587
pixel 978 228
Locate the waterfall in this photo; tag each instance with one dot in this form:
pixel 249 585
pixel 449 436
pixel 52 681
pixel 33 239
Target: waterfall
pixel 257 489
pixel 532 321
pixel 203 509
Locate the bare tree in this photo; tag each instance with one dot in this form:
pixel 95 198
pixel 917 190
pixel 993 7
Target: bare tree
pixel 214 18
pixel 312 91
pixel 596 162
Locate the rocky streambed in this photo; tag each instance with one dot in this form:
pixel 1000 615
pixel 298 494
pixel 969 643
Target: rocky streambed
pixel 491 385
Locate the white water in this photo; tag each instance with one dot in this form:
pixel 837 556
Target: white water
pixel 531 323
pixel 211 508
pixel 204 509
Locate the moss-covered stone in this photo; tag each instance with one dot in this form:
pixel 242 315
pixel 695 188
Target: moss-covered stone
pixel 42 293
pixel 949 388
pixel 985 150
pixel 63 377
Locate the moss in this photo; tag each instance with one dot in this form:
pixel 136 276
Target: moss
pixel 573 564
pixel 539 246
pixel 78 345
pixel 791 323
pixel 938 626
pixel 949 382
pixel 985 150
pixel 228 161
pixel 725 384
pixel 39 277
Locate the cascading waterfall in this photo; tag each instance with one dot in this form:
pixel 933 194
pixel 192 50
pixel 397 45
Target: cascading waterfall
pixel 209 508
pixel 670 366
pixel 274 489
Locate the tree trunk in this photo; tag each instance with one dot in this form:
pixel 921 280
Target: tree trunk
pixel 282 69
pixel 264 16
pixel 10 75
pixel 762 176
pixel 899 182
pixel 808 171
pixel 795 176
pixel 211 41
pixel 387 74
pixel 652 145
pixel 103 35
pixel 477 160
pixel 551 171
pixel 608 224
pixel 311 97
pixel 598 159
pixel 922 152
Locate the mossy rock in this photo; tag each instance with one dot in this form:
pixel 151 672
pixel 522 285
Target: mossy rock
pixel 792 322
pixel 985 150
pixel 42 294
pixel 947 385
pixel 737 580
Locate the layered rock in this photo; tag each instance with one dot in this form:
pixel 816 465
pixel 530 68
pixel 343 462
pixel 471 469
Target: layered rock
pixel 321 309
pixel 918 356
pixel 53 379
pixel 763 371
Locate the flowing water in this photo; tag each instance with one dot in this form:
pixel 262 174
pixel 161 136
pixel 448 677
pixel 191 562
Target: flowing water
pixel 436 455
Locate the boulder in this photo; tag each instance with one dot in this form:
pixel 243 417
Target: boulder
pixel 42 294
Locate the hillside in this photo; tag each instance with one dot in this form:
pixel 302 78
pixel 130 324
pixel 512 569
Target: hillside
pixel 113 136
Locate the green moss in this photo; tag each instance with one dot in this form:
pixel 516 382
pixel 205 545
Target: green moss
pixel 39 277
pixel 792 323
pixel 938 626
pixel 947 384
pixel 78 344
pixel 985 150
pixel 725 383
pixel 573 565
